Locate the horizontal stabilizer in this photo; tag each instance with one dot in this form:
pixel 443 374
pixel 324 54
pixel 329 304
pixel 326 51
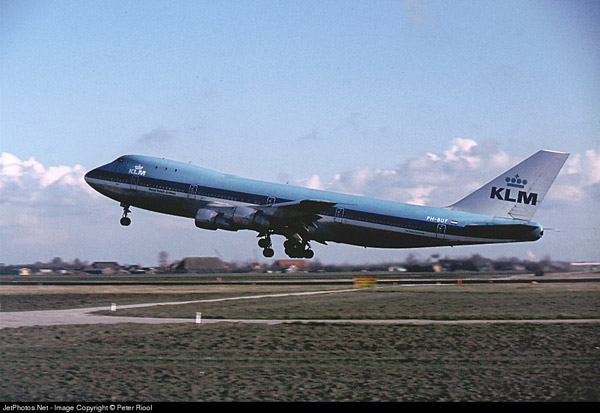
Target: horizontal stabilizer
pixel 518 192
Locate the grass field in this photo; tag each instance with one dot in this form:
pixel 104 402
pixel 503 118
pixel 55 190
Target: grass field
pixel 313 361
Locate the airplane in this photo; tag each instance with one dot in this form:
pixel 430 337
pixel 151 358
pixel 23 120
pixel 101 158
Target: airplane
pixel 498 212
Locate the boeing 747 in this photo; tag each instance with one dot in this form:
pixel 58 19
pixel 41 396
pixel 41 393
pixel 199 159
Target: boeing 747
pixel 498 212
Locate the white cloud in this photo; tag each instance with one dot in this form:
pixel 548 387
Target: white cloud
pixel 32 173
pixel 314 182
pixel 420 195
pixel 441 178
pixel 12 168
pixel 592 160
pixel 461 149
pixel 429 178
pixel 580 180
pixel 585 167
pixel 41 205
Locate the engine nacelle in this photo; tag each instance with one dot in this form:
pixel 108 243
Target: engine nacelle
pixel 206 218
pixel 232 219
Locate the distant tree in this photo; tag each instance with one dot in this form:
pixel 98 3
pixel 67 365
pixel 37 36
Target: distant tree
pixel 411 260
pixel 478 261
pixel 57 261
pixel 78 264
pixel 163 258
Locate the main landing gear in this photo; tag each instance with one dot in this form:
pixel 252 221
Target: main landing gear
pixel 265 244
pixel 293 248
pixel 125 221
pixel 298 249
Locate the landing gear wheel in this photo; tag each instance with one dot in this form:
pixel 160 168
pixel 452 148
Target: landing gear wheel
pixel 298 249
pixel 265 244
pixel 125 221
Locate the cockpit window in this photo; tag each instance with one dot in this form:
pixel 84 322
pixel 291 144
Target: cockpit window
pixel 120 160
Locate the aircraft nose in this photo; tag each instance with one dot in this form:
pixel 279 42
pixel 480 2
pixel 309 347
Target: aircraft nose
pixel 87 177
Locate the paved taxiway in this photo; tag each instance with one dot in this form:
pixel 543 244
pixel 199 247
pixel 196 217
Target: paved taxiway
pixel 89 315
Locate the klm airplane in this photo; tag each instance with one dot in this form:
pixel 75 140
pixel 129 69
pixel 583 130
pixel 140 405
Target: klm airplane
pixel 498 212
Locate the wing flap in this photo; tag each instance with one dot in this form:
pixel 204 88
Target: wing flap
pixel 306 208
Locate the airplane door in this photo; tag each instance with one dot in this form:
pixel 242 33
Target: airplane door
pixel 441 231
pixel 135 180
pixel 339 215
pixel 193 191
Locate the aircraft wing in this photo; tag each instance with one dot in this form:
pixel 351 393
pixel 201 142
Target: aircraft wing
pixel 300 210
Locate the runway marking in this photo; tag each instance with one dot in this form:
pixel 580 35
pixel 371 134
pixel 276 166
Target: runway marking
pixel 86 315
pixel 74 316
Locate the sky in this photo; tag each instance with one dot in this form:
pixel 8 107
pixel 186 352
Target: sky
pixel 405 100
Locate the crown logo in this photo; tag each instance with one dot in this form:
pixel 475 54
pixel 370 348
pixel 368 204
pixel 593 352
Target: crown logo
pixel 137 170
pixel 516 182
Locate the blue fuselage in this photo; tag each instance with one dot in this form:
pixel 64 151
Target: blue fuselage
pixel 181 189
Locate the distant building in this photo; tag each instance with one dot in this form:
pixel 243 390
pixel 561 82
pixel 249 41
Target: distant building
pixel 585 266
pixel 137 269
pixel 256 267
pixel 292 265
pixel 103 267
pixel 201 264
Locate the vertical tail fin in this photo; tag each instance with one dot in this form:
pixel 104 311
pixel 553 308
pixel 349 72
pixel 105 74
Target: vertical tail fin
pixel 518 192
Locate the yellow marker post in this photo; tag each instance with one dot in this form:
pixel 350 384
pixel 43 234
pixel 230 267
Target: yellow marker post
pixel 365 281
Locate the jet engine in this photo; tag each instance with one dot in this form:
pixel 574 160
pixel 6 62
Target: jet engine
pixel 232 218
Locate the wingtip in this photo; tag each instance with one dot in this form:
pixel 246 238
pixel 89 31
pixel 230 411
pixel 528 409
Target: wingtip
pixel 555 152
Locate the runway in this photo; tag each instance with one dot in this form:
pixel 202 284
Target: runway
pixel 90 315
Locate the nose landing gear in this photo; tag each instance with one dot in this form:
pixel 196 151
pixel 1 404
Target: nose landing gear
pixel 125 221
